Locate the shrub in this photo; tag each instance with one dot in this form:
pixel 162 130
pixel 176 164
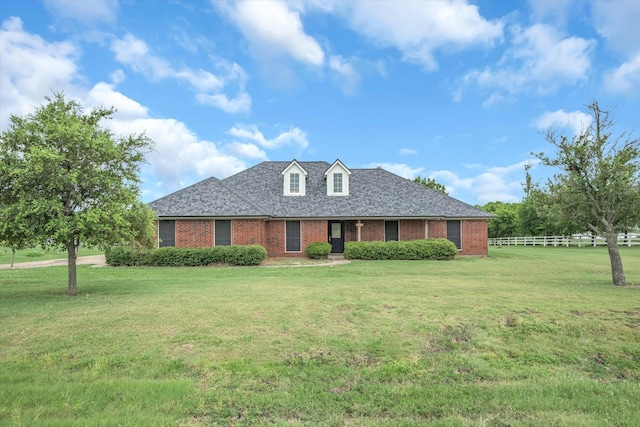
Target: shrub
pixel 431 249
pixel 186 257
pixel 318 250
pixel 124 255
pixel 34 253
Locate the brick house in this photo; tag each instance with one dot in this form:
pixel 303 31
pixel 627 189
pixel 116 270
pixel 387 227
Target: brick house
pixel 285 206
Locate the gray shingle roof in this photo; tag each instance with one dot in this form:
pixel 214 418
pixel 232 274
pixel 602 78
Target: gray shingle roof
pixel 258 191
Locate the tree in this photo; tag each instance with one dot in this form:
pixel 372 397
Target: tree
pixel 505 223
pixel 431 183
pixel 65 181
pixel 598 186
pixel 538 216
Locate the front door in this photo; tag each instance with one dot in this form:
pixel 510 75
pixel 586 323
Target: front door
pixel 336 236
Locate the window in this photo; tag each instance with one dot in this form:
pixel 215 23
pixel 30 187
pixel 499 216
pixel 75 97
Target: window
pixel 167 233
pixel 337 183
pixel 222 233
pixel 454 233
pixel 390 230
pixel 292 236
pixel 294 183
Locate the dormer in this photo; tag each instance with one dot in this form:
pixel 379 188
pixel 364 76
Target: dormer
pixel 294 179
pixel 337 177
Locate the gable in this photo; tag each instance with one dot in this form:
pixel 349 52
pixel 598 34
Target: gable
pixel 294 179
pixel 337 178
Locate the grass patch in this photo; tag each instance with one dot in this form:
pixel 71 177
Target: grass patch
pixel 528 336
pixel 39 254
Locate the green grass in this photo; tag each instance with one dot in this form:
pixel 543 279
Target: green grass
pixel 528 336
pixel 39 254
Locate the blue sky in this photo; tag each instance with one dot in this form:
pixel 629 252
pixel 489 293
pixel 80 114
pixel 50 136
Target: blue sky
pixel 458 91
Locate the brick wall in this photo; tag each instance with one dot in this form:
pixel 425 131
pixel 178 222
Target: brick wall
pixel 475 238
pixel 194 233
pixel 247 232
pixel 474 235
pixel 270 234
pixel 310 231
pixel 411 229
pixel 437 229
pixel 372 230
pixel 314 231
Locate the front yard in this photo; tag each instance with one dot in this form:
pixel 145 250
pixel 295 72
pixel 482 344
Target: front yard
pixel 528 336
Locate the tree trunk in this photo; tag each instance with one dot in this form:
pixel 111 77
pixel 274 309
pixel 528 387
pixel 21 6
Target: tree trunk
pixel 13 256
pixel 71 266
pixel 617 272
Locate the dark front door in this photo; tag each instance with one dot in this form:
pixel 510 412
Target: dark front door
pixel 336 236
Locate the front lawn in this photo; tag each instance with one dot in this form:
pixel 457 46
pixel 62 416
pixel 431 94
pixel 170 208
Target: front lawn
pixel 528 336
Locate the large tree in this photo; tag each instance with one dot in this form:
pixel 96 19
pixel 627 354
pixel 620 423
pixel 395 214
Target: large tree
pixel 598 185
pixel 67 181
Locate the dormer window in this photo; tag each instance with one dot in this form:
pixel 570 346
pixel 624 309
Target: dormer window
pixel 337 177
pixel 294 183
pixel 295 178
pixel 337 183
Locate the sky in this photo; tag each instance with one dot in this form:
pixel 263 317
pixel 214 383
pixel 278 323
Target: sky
pixel 459 91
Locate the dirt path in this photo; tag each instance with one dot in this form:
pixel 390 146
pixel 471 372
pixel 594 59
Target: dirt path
pixel 95 260
pixel 99 261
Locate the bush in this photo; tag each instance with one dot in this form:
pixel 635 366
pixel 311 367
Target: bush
pixel 431 249
pixel 186 257
pixel 124 255
pixel 318 250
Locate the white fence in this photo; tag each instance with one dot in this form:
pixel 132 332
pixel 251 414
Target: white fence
pixel 579 240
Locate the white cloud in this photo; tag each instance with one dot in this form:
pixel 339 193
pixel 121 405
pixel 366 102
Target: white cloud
pixel 247 150
pixel 135 53
pixel 407 152
pixel 274 30
pixel 347 73
pixel 419 28
pixel 37 67
pixel 618 24
pixel 400 169
pixel 291 137
pixel 239 104
pixel 84 12
pixel 557 11
pixel 501 183
pixel 540 59
pixel 105 95
pixel 624 79
pixel 117 76
pixel 180 156
pixel 575 121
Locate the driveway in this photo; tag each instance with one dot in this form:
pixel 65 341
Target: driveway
pixel 95 260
